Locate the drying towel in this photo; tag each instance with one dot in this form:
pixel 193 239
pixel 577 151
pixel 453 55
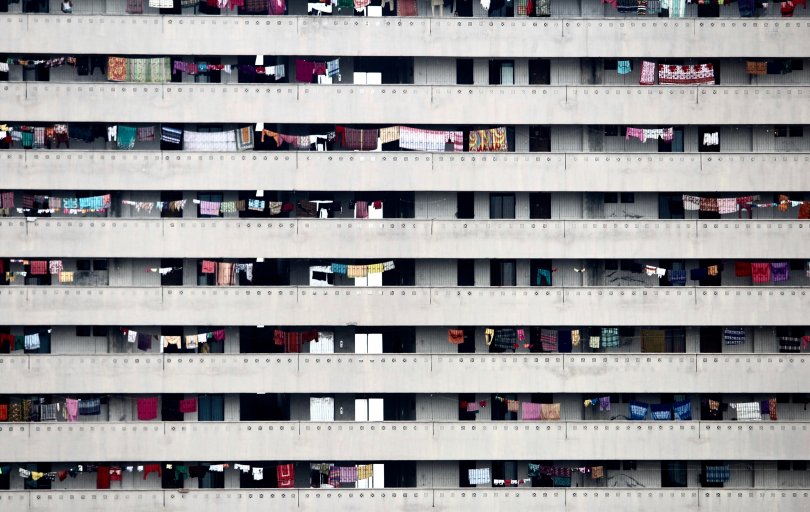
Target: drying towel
pixel 742 269
pixel 727 205
pixel 478 476
pixel 126 137
pixel 39 267
pixel 145 133
pixel 455 336
pixel 89 406
pixel 116 69
pixel 530 411
pixel 647 73
pixel 188 405
pixel 548 338
pixel 348 474
pixel 683 410
pixel 244 139
pixel 760 272
pixel 718 474
pixel 429 140
pixel 505 339
pixel 285 473
pixel 756 67
pixel 653 340
pixel 407 8
pixel 685 75
pixel 638 410
pixel 147 408
pixel 610 336
pixel 493 139
pixel 780 271
pixel 103 477
pixel 661 411
pixel 72 409
pixel 550 411
pixel 734 335
pixel 747 411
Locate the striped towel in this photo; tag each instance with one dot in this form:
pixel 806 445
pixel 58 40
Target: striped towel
pixel 734 335
pixel 548 338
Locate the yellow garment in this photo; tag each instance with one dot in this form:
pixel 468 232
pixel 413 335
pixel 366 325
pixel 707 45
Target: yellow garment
pixel 713 270
pixel 489 334
pixel 550 411
pixel 36 475
pixel 594 343
pixel 354 271
pixel 65 277
pixel 575 337
pixel 597 472
pixel 376 268
pixel 365 471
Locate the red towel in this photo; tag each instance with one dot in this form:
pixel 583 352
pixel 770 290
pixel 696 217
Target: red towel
pixel 209 267
pixel 188 405
pixel 761 272
pixel 285 473
pixel 742 269
pixel 147 408
pixel 103 477
pixel 39 267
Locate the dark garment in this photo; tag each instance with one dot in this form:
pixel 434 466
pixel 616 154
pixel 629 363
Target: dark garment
pixel 564 343
pixel 144 341
pixel 746 8
pixel 197 471
pixel 696 274
pixel 505 339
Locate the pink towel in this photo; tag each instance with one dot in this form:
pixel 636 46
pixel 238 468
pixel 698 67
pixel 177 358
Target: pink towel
pixel 188 405
pixel 530 411
pixel 72 407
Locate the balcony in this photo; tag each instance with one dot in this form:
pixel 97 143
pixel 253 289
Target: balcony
pixel 405 499
pixel 404 373
pixel 405 104
pixel 413 440
pixel 430 37
pixel 404 238
pixel 406 171
pixel 395 306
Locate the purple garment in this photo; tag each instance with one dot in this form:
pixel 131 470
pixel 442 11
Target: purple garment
pixel 780 271
pixel 604 403
pixel 304 70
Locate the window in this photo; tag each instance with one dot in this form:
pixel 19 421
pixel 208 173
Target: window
pixel 465 205
pixel 502 206
pixel 610 197
pixel 624 197
pixel 627 197
pixel 502 273
pixel 99 264
pixel 788 131
pixel 464 71
pixel 673 474
pixel 99 331
pixel 91 265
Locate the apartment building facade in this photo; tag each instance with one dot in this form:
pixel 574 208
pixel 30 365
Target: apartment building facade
pixel 404 255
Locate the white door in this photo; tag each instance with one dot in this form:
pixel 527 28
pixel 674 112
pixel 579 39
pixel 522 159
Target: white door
pixel 378 479
pixel 361 343
pixel 375 409
pixel 321 408
pixel 375 344
pixel 360 409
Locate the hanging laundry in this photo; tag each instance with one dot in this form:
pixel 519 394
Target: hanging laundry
pixel 624 67
pixel 747 411
pixel 760 272
pixel 480 476
pixel 147 408
pixel 493 139
pixel 638 410
pixel 683 410
pixel 734 335
pixel 530 411
pixel 780 271
pixel 455 336
pixel 685 74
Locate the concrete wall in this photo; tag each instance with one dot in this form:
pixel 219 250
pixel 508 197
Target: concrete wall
pixel 413 373
pixel 426 37
pixel 251 441
pixel 402 238
pixel 421 172
pixel 149 103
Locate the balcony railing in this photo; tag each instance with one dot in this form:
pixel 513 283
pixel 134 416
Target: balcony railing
pixel 395 306
pixel 409 171
pixel 479 499
pixel 406 440
pixel 404 238
pixel 430 37
pixel 404 373
pixel 405 104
